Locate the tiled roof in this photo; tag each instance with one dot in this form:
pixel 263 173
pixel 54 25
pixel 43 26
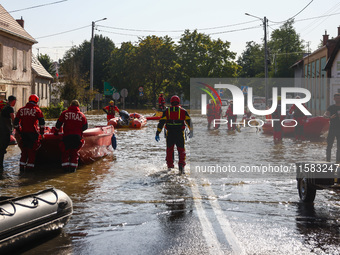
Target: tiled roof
pixel 38 68
pixel 9 25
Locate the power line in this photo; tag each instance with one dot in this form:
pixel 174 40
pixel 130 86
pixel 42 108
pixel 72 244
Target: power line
pixel 174 31
pixel 295 14
pixel 140 30
pixel 37 6
pixel 63 32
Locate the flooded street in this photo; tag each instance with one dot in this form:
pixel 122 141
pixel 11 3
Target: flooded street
pixel 128 203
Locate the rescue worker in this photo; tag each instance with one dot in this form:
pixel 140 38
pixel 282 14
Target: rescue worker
pixel 6 127
pixel 175 118
pixel 210 112
pixel 231 117
pixel 217 113
pixel 277 128
pixel 110 110
pixel 29 122
pixel 75 123
pixel 333 113
pixel 300 118
pixel 161 102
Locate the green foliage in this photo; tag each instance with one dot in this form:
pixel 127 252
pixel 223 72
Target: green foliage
pixel 47 63
pixel 286 48
pixel 252 61
pixel 53 111
pixel 200 56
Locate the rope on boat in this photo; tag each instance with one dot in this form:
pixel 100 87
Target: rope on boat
pixel 34 202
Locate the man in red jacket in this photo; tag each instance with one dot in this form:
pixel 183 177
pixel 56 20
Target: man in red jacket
pixel 175 118
pixel 231 117
pixel 75 123
pixel 161 102
pixel 110 110
pixel 26 123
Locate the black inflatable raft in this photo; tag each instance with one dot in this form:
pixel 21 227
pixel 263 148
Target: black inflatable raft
pixel 28 218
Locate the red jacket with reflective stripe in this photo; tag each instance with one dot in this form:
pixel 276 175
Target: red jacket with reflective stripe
pixel 29 117
pixel 74 121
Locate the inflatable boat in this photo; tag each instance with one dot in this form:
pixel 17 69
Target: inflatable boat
pixel 156 116
pixel 313 127
pixel 98 142
pixel 29 218
pixel 126 120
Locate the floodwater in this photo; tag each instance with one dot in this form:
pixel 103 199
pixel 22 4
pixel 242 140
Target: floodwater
pixel 128 203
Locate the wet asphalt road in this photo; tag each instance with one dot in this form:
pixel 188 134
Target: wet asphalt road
pixel 128 203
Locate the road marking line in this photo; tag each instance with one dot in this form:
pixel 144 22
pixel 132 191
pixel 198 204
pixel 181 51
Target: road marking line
pixel 233 241
pixel 208 231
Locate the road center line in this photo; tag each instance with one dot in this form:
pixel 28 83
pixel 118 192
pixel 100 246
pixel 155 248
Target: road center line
pixel 208 231
pixel 233 241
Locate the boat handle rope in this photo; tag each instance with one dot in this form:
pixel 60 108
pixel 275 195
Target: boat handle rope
pixel 7 213
pixel 34 202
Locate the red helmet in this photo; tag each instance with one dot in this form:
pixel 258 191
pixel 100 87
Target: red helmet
pixel 33 98
pixel 174 100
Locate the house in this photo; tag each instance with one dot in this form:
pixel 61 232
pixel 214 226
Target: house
pixel 15 59
pixel 41 82
pixel 314 72
pixel 333 66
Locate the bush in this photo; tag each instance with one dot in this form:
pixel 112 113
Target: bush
pixel 53 111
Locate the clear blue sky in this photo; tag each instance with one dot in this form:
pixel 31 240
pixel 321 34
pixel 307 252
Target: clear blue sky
pixel 160 15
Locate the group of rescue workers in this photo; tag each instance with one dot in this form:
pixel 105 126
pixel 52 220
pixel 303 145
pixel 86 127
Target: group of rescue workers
pixel 29 123
pixel 333 113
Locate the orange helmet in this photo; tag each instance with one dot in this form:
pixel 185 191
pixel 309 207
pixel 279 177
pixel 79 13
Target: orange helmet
pixel 174 100
pixel 33 98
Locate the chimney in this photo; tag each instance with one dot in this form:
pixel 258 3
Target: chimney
pixel 325 38
pixel 21 22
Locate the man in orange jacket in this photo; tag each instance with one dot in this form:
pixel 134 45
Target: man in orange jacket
pixel 174 118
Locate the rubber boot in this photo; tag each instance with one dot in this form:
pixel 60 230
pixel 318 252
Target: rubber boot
pixel 181 169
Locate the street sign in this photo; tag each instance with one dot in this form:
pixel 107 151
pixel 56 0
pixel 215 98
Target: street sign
pixel 108 89
pixel 124 92
pixel 116 96
pixel 244 89
pixel 141 93
pixel 98 97
pixel 140 89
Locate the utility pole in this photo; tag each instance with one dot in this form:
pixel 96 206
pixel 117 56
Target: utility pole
pixel 264 21
pixel 265 60
pixel 92 59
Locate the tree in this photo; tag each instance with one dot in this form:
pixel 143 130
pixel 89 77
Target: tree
pixel 200 56
pixel 47 63
pixel 74 82
pixel 156 65
pixel 285 48
pixel 252 61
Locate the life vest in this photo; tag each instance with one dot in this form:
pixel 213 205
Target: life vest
pixel 175 116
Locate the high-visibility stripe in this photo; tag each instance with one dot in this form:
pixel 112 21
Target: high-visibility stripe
pixel 30 165
pixel 73 164
pixel 65 164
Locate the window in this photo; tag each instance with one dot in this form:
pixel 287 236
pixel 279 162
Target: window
pixel 24 60
pixel 1 54
pixel 14 60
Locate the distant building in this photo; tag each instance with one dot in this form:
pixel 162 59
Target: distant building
pixel 41 82
pixel 15 59
pixel 314 72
